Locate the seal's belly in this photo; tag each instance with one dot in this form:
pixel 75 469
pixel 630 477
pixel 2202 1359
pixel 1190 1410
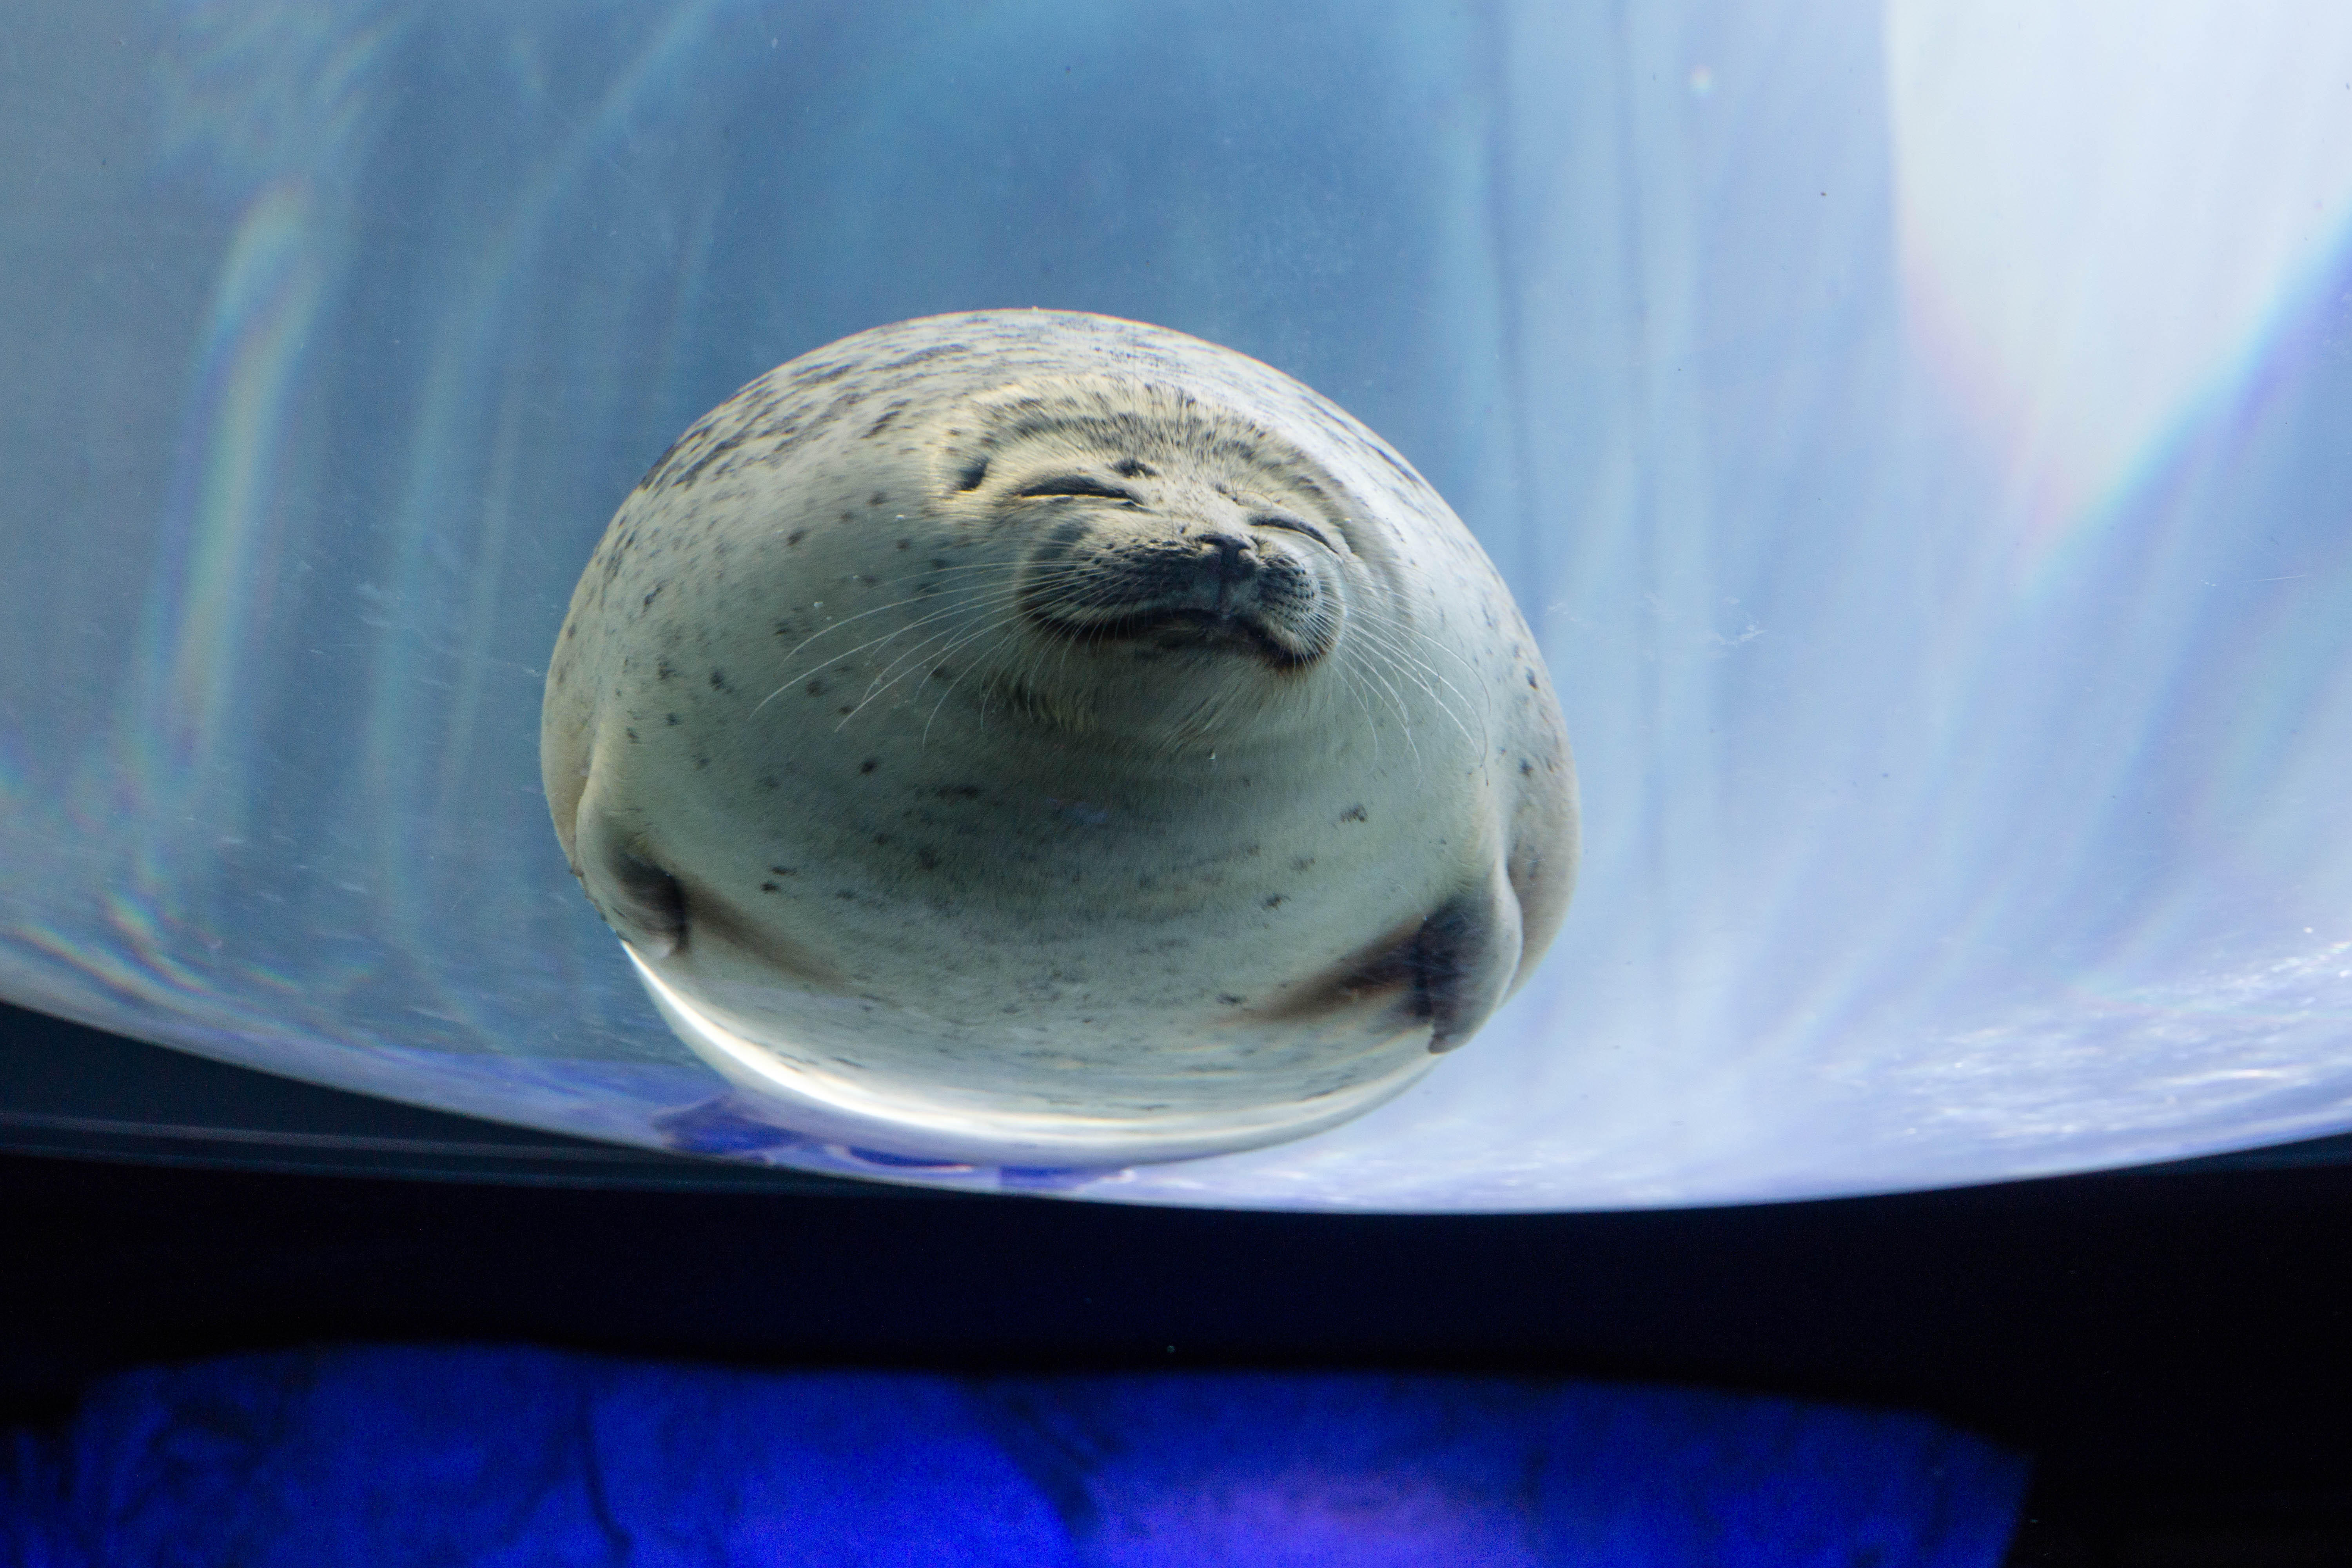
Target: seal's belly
pixel 1104 933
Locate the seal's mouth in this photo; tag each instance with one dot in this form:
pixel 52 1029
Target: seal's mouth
pixel 1209 591
pixel 1187 628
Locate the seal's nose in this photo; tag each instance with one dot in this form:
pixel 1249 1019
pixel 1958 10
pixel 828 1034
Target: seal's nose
pixel 1236 555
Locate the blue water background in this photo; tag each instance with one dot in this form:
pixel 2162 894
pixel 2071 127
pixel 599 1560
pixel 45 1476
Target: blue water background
pixel 1962 703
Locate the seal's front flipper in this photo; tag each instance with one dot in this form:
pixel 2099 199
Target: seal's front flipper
pixel 1459 964
pixel 640 900
pixel 1448 968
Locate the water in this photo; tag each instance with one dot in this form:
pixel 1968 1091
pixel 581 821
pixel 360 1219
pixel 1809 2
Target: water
pixel 1915 434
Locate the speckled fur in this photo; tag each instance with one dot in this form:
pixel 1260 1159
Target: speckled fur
pixel 810 757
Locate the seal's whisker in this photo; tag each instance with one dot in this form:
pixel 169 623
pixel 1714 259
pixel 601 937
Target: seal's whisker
pixel 978 604
pixel 958 680
pixel 1364 679
pixel 832 626
pixel 1401 670
pixel 1074 588
pixel 1352 684
pixel 1422 639
pixel 905 664
pixel 1384 672
pixel 965 599
pixel 892 673
pixel 1426 676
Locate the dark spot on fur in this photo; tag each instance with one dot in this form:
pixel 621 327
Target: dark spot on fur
pixel 1133 467
pixel 927 859
pixel 669 718
pixel 785 870
pixel 1526 767
pixel 1353 813
pixel 718 680
pixel 1229 999
pixel 826 371
pixel 1531 680
pixel 923 356
pixel 653 474
pixel 847 709
pixel 1274 901
pixel 663 670
pixel 796 536
pixel 847 894
pixel 876 499
pixel 769 888
pixel 975 474
pixel 1304 863
pixel 905 545
pixel 632 735
pixel 770 781
pixel 868 765
pixel 960 792
pixel 815 688
pixel 648 601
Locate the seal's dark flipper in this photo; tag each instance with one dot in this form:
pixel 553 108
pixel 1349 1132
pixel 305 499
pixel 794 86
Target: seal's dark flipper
pixel 1450 968
pixel 1441 965
pixel 650 900
pixel 1458 965
pixel 640 900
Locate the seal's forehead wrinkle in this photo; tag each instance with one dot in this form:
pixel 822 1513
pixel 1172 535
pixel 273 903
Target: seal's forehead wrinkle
pixel 1135 427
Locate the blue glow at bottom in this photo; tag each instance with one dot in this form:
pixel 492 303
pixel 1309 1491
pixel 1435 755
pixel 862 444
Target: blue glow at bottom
pixel 504 1456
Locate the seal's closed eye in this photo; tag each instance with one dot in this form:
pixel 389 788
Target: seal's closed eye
pixel 1284 523
pixel 1075 485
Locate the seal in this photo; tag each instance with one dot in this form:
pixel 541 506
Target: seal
pixel 1033 738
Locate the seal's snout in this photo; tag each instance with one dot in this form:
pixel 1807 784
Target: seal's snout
pixel 1219 587
pixel 1224 571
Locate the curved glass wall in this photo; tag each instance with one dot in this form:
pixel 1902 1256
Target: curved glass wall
pixel 1915 432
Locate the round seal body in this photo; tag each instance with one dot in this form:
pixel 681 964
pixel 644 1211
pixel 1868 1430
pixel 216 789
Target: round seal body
pixel 1031 738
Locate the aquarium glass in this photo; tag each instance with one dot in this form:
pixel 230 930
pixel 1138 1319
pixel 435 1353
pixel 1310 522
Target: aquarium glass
pixel 1919 435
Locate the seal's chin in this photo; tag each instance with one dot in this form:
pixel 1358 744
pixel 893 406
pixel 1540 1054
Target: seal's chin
pixel 1192 629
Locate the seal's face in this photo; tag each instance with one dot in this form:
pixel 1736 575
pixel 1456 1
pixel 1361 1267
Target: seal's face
pixel 1162 542
pixel 1135 563
pixel 1041 739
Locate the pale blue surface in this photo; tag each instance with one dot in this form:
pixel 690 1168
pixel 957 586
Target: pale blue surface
pixel 1915 432
pixel 492 1457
